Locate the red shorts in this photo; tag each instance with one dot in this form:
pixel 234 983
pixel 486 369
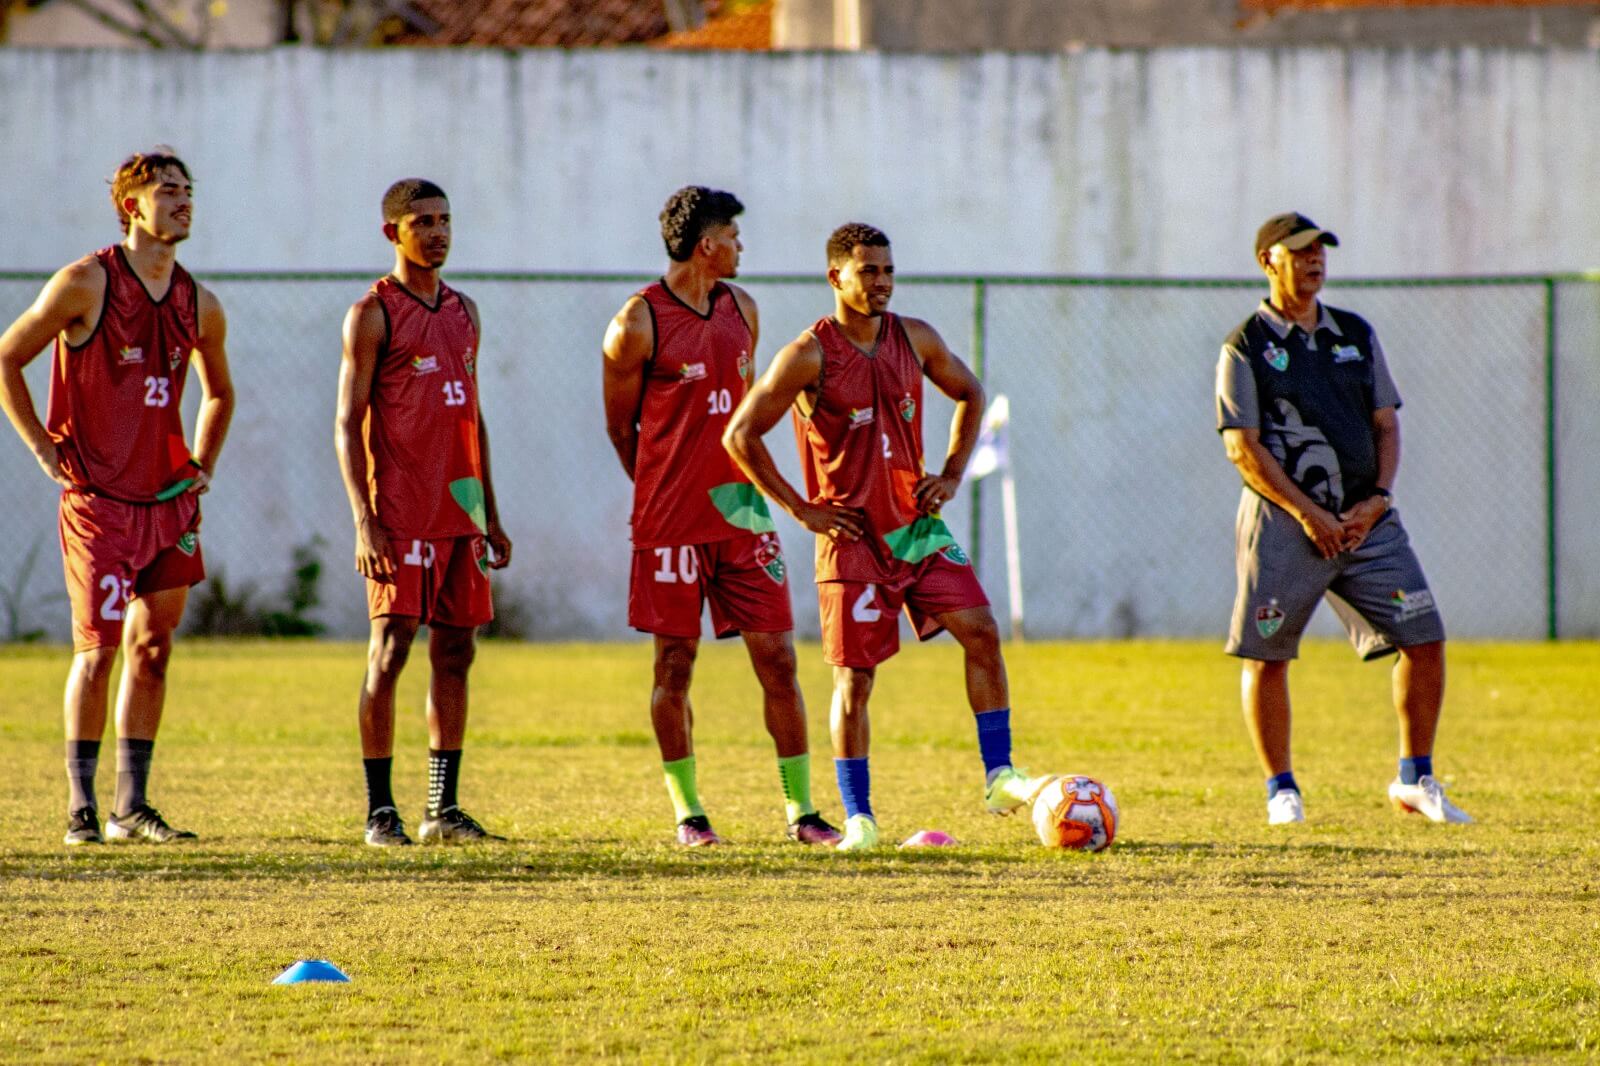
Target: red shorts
pixel 113 552
pixel 861 621
pixel 744 577
pixel 437 581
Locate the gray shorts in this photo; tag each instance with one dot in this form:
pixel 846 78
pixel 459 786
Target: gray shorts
pixel 1378 591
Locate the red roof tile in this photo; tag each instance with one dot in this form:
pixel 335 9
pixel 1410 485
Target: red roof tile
pixel 747 29
pixel 531 23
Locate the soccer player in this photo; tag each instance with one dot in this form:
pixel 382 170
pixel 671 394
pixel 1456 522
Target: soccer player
pixel 855 381
pixel 415 457
pixel 1309 415
pixel 678 358
pixel 127 322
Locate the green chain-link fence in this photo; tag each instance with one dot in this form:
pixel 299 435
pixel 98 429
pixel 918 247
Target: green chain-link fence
pixel 1125 498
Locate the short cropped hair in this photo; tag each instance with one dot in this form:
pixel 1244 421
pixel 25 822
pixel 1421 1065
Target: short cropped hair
pixel 139 170
pixel 690 212
pixel 402 194
pixel 842 241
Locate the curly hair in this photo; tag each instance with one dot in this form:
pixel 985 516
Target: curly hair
pixel 139 170
pixel 842 241
pixel 398 199
pixel 690 212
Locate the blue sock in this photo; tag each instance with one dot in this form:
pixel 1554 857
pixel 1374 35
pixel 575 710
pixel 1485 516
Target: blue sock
pixel 1277 784
pixel 855 786
pixel 1415 769
pixel 994 739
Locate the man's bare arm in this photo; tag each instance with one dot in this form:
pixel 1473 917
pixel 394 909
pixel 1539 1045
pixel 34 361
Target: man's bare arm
pixel 216 387
pixel 752 315
pixel 629 344
pixel 67 300
pixel 956 380
pixel 1263 474
pixel 363 339
pixel 797 367
pixel 499 543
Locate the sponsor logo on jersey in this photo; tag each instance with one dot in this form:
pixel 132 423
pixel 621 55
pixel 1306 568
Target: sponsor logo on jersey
pixel 769 556
pixel 131 355
pixel 908 409
pixel 1277 357
pixel 692 372
pixel 188 542
pixel 1269 619
pixel 956 555
pixel 1346 353
pixel 746 367
pixel 1408 605
pixel 174 358
pixel 860 416
pixel 425 364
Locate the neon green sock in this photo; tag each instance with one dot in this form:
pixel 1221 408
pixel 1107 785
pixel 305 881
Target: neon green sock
pixel 796 774
pixel 680 786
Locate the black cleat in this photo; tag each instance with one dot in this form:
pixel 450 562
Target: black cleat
pixel 145 823
pixel 386 830
pixel 83 827
pixel 814 829
pixel 454 826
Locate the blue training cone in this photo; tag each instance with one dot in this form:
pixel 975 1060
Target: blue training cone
pixel 310 970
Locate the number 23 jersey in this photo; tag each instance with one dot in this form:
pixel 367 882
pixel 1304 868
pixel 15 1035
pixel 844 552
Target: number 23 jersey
pixel 425 475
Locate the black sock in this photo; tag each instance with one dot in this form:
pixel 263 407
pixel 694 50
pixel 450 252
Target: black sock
pixel 444 767
pixel 83 757
pixel 379 794
pixel 133 773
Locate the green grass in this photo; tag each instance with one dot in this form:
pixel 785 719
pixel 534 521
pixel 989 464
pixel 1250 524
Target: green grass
pixel 1202 935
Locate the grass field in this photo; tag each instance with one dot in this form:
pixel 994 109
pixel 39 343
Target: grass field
pixel 1202 935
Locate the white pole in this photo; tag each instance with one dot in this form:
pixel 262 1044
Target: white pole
pixel 1008 502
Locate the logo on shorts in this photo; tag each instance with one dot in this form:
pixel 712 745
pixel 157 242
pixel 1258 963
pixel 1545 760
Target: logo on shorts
pixel 908 409
pixel 746 367
pixel 1408 605
pixel 860 416
pixel 769 555
pixel 1269 619
pixel 956 555
pixel 1277 357
pixel 1346 353
pixel 692 371
pixel 131 355
pixel 425 364
pixel 480 555
pixel 174 358
pixel 188 543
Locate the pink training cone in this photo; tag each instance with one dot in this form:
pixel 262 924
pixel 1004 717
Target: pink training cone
pixel 928 838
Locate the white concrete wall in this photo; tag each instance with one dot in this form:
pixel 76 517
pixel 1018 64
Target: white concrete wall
pixel 1093 163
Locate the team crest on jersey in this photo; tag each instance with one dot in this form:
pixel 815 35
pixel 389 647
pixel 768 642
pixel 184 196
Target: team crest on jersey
pixel 1277 357
pixel 174 358
pixel 692 372
pixel 769 556
pixel 189 542
pixel 956 555
pixel 425 364
pixel 1346 353
pixel 470 358
pixel 131 355
pixel 1408 605
pixel 908 409
pixel 860 416
pixel 746 367
pixel 1269 619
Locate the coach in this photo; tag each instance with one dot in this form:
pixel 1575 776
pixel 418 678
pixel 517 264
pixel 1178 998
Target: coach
pixel 1308 413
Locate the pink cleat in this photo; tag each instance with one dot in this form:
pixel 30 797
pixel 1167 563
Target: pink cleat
pixel 813 829
pixel 696 832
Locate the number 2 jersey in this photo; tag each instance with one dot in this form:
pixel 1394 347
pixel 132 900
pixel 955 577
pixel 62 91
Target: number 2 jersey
pixel 686 488
pixel 116 400
pixel 424 471
pixel 861 446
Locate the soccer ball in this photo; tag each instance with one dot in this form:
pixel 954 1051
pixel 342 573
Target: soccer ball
pixel 1075 812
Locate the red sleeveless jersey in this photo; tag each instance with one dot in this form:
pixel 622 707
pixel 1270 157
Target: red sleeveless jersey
pixel 686 488
pixel 861 446
pixel 116 400
pixel 424 473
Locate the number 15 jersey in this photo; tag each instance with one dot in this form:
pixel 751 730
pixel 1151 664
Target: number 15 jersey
pixel 424 472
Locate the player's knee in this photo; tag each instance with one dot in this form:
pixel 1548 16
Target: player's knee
pixel 95 664
pixel 1430 654
pixel 452 651
pixel 981 638
pixel 853 687
pixel 389 649
pixel 776 666
pixel 148 654
pixel 1267 670
pixel 674 665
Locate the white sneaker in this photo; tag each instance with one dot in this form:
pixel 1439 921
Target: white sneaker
pixel 1426 798
pixel 1286 807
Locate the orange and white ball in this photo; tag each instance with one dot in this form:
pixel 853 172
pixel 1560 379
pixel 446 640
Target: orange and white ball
pixel 1073 811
